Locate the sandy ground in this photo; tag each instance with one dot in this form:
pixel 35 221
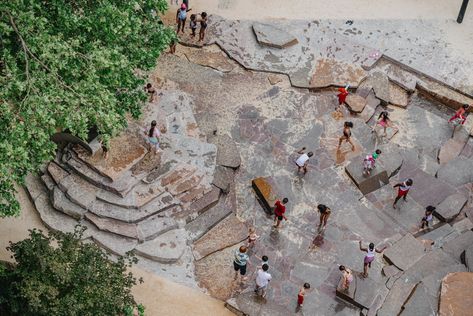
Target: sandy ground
pixel 158 295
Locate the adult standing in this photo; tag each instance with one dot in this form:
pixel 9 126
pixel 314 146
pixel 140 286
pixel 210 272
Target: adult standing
pixel 280 209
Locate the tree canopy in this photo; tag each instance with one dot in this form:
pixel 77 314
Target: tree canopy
pixel 69 65
pixel 57 274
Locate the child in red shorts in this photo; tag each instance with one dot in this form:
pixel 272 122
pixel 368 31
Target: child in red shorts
pixel 300 296
pixel 404 188
pixel 279 210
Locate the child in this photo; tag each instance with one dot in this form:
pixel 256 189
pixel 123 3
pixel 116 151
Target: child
pixel 369 162
pixel 347 277
pixel 264 260
pixel 240 262
pixel 262 280
pixel 303 160
pixel 252 237
pixel 203 25
pixel 459 117
pixel 172 46
pixel 404 188
pixel 429 210
pixel 279 212
pixel 324 215
pixel 153 137
pixel 193 24
pixel 300 296
pixel 370 253
pixel 151 91
pixel 342 96
pixel 347 126
pixel 181 16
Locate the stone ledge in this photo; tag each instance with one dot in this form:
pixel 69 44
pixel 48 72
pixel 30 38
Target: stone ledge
pixel 166 248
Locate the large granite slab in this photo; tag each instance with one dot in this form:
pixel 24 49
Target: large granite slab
pixel 35 186
pixel 166 248
pixel 396 298
pixel 62 203
pixel 365 183
pixel 455 247
pixel 272 36
pixel 457 172
pixel 205 202
pixel 267 192
pixel 450 150
pixel 356 103
pixel 223 177
pixel 333 72
pixel 440 235
pixel 154 226
pixel 405 252
pixel 228 232
pixel 455 295
pixel 449 208
pixel 419 303
pixel 228 154
pixel 113 226
pixel 52 219
pixel 248 303
pixel 117 245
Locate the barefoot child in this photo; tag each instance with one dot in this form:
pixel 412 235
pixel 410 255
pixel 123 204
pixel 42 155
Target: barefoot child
pixel 252 237
pixel 193 24
pixel 181 16
pixel 429 210
pixel 369 162
pixel 324 215
pixel 303 160
pixel 262 280
pixel 347 277
pixel 279 212
pixel 203 25
pixel 342 96
pixel 404 188
pixel 301 294
pixel 370 253
pixel 239 262
pixel 347 126
pixel 153 137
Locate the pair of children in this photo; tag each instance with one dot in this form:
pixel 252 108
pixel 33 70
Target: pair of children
pixel 369 162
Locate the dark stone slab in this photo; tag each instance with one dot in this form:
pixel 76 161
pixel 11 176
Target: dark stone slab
pixel 468 258
pixel 223 177
pixel 419 303
pixel 405 252
pixel 56 172
pixel 451 207
pixel 48 181
pixel 457 172
pixel 271 36
pixel 455 247
pixel 267 192
pixel 365 183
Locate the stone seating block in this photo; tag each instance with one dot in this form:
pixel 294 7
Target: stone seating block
pixel 271 36
pixel 267 192
pixel 365 183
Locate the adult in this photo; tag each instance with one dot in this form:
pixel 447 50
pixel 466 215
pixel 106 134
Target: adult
pixel 280 209
pixel 303 160
pixel 153 135
pixel 369 257
pixel 404 188
pixel 262 280
pixel 240 261
pixel 324 215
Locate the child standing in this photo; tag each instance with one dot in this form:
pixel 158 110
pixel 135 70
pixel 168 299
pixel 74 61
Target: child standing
pixel 193 24
pixel 303 160
pixel 429 210
pixel 203 25
pixel 252 237
pixel 181 17
pixel 347 277
pixel 370 254
pixel 279 212
pixel 404 188
pixel 347 126
pixel 369 162
pixel 240 261
pixel 262 280
pixel 301 294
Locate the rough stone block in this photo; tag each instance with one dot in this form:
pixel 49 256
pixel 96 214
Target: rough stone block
pixel 228 232
pixel 398 96
pixel 451 207
pixel 333 72
pixel 399 293
pixel 223 177
pixel 267 192
pixel 113 226
pixel 440 235
pixel 455 295
pixel 180 172
pixel 419 303
pixel 166 248
pixel 355 103
pixel 468 258
pixel 405 252
pixel 228 154
pixel 34 186
pixel 51 218
pixel 184 185
pixel 365 183
pixel 205 202
pixel 56 172
pixel 249 304
pixel 450 150
pixel 271 36
pixel 154 226
pixel 457 172
pixel 463 225
pixel 48 181
pixel 390 270
pixel 455 247
pixel 63 204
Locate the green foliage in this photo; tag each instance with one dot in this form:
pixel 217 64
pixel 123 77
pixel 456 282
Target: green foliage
pixel 69 65
pixel 57 274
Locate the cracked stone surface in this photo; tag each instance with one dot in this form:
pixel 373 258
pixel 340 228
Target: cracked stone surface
pixel 272 36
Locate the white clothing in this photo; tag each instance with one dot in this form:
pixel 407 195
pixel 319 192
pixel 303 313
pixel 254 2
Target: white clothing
pixel 370 253
pixel 302 160
pixel 262 278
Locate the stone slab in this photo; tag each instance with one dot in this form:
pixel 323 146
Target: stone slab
pixel 154 226
pixel 356 103
pixel 213 58
pixel 228 154
pixel 347 294
pixel 440 235
pixel 455 247
pixel 371 104
pixel 457 172
pixel 398 96
pixel 333 72
pixel 468 258
pixel 205 202
pixel 117 245
pixel 365 292
pixel 449 208
pixel 62 203
pixel 52 219
pixel 463 225
pixel 390 270
pixel 223 177
pixel 113 226
pixel 78 190
pixel 419 303
pixel 228 232
pixel 405 252
pixel 166 248
pixel 48 181
pixel 455 295
pixel 56 172
pixel 247 303
pixel 365 183
pixel 267 192
pixel 269 35
pixel 442 94
pixel 450 150
pixel 35 186
pixel 397 296
pixel 391 159
pixel 380 84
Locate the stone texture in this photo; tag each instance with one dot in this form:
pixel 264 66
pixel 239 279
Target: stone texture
pixel 355 103
pixel 440 235
pixel 449 208
pixel 380 84
pixel 112 243
pixel 78 190
pixel 249 304
pixel 365 183
pixel 405 252
pixel 213 58
pixel 154 226
pixel 267 192
pixel 332 72
pixel 419 303
pixel 35 186
pixel 397 95
pixel 399 293
pixel 205 202
pixel 457 172
pixel 228 232
pixel 390 270
pixel 455 295
pixel 48 181
pixel 442 94
pixel 113 226
pixel 468 258
pixel 223 177
pixel 450 150
pixel 228 154
pixel 271 36
pixel 56 172
pixel 166 248
pixel 371 104
pixel 62 203
pixel 455 247
pixel 275 79
pixel 463 225
pixel 51 218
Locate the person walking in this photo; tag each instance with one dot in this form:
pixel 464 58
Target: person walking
pixel 369 257
pixel 280 209
pixel 404 188
pixel 324 215
pixel 153 135
pixel 239 263
pixel 459 118
pixel 347 126
pixel 262 280
pixel 303 160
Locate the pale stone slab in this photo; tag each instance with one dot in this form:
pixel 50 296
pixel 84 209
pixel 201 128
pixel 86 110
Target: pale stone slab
pixel 56 172
pixel 63 204
pixel 113 226
pixel 390 270
pixel 269 35
pixel 117 245
pixel 405 252
pixel 333 72
pixel 154 226
pixel 228 154
pixel 52 219
pixel 450 150
pixel 440 235
pixel 455 247
pixel 455 295
pixel 35 186
pixel 463 225
pixel 396 298
pixel 419 303
pixel 457 172
pixel 228 232
pixel 398 96
pixel 166 248
pixel 451 207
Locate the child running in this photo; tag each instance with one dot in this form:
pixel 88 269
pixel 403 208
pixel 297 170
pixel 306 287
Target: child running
pixel 303 160
pixel 279 212
pixel 369 162
pixel 370 254
pixel 347 126
pixel 301 294
pixel 324 215
pixel 459 118
pixel 429 210
pixel 404 188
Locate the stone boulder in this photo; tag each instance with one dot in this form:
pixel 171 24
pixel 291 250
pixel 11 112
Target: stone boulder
pixel 365 183
pixel 451 207
pixel 355 103
pixel 271 36
pixel 455 294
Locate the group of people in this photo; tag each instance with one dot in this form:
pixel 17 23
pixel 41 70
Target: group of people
pixel 195 20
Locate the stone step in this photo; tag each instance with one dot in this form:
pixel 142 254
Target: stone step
pixel 52 219
pixel 166 248
pixel 154 226
pixel 112 243
pixel 440 235
pixel 455 247
pixel 56 172
pixel 449 208
pixel 113 226
pixel 61 203
pixel 405 252
pixel 419 303
pixel 247 303
pixel 48 181
pixel 361 293
pixel 34 186
pixel 139 196
pixel 397 296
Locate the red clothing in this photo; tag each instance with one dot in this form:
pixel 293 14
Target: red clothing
pixel 300 299
pixel 342 96
pixel 401 192
pixel 280 209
